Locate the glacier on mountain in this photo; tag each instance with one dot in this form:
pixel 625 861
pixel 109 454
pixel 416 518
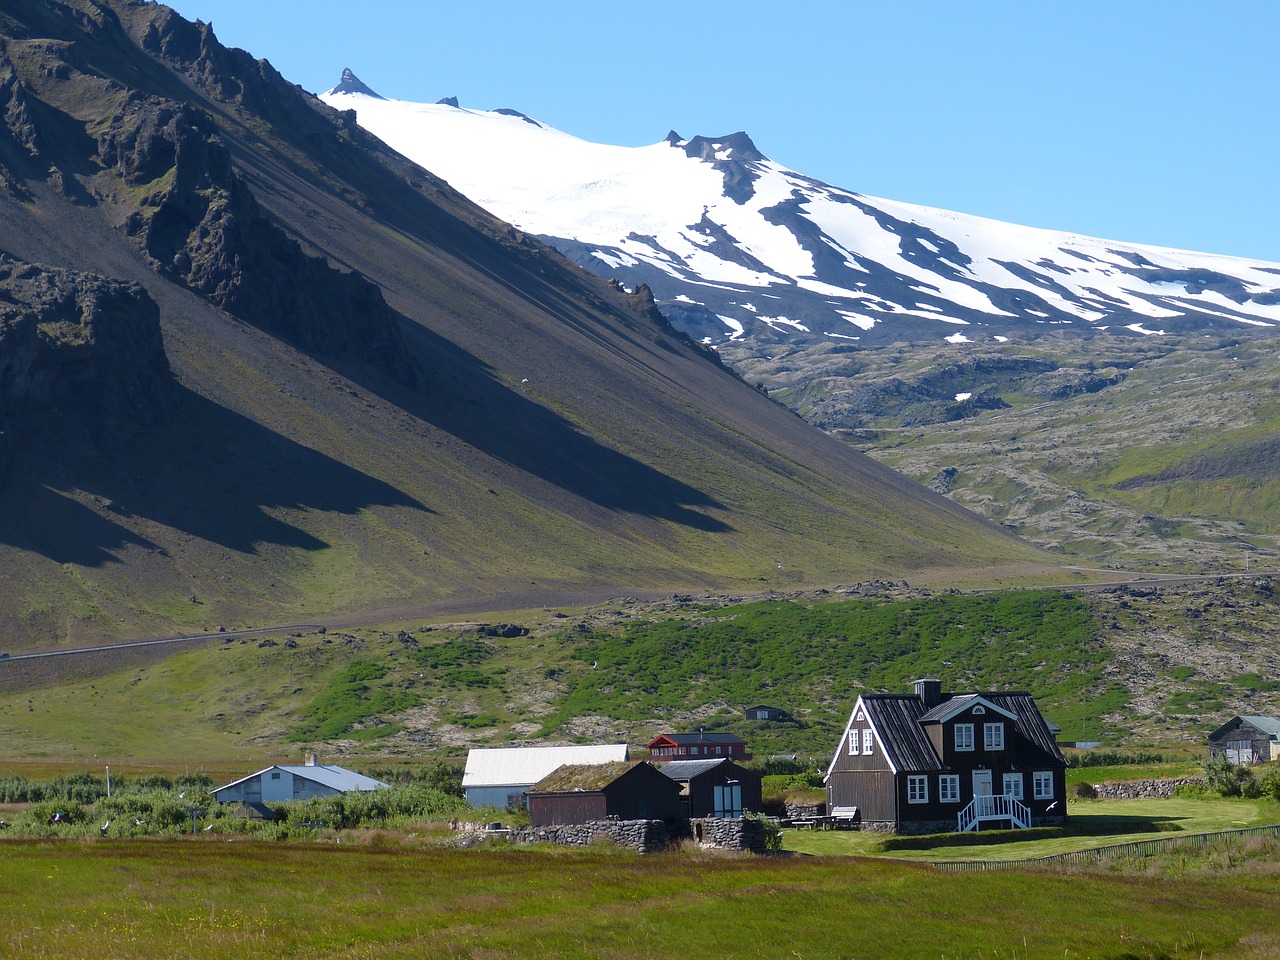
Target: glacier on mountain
pixel 712 226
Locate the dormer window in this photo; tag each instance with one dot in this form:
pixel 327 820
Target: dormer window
pixel 964 736
pixel 993 736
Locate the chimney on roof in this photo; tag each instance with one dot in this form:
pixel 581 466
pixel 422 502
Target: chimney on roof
pixel 930 692
pixel 310 761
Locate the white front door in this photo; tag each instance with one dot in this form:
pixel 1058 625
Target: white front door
pixel 984 806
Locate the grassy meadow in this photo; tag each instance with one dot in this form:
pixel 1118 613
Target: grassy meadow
pixel 1091 824
pixel 143 899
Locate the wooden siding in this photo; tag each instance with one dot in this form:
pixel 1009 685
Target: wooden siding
pixel 548 809
pixel 1240 729
pixel 700 800
pixel 860 761
pixel 871 791
pixel 643 793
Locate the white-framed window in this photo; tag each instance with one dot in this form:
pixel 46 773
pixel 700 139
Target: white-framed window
pixel 993 736
pixel 1042 784
pixel 917 788
pixel 853 742
pixel 979 710
pixel 868 742
pixel 964 736
pixel 1013 785
pixel 949 787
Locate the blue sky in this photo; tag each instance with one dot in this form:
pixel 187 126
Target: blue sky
pixel 1150 122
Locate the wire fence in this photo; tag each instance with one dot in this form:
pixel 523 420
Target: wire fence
pixel 1115 851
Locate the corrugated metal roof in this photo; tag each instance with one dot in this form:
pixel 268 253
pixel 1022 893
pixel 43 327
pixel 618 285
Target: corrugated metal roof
pixel 1268 725
pixel 337 778
pixel 522 766
pixel 688 769
pixel 896 720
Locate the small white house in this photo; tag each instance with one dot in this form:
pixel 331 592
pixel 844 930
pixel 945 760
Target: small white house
pixel 295 783
pixel 499 776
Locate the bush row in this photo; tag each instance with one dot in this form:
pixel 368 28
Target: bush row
pixel 165 812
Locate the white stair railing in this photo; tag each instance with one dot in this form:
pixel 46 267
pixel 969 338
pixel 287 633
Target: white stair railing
pixel 993 807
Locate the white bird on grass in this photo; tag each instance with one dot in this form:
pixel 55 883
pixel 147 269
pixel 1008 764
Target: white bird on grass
pixel 105 825
pixel 140 823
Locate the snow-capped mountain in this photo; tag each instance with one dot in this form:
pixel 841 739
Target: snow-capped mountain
pixel 734 245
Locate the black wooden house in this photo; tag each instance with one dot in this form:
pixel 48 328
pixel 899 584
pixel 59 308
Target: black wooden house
pixel 932 762
pixel 715 788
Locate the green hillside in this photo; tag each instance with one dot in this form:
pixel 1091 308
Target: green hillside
pixel 1130 667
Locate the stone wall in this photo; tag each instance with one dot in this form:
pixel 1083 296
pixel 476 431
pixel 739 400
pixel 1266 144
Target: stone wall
pixel 647 836
pixel 740 834
pixel 642 835
pixel 1143 789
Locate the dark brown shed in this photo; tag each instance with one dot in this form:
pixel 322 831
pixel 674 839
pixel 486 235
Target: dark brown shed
pixel 715 788
pixel 582 793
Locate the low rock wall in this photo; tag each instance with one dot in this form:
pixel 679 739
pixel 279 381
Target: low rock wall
pixel 644 836
pixel 740 834
pixel 1147 789
pixel 647 836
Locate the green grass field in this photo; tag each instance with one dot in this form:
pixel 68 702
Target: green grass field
pixel 196 900
pixel 1091 823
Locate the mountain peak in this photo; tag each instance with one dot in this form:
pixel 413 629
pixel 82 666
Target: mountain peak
pixel 350 83
pixel 508 112
pixel 735 146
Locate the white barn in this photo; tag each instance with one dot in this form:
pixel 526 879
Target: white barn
pixel 499 776
pixel 294 783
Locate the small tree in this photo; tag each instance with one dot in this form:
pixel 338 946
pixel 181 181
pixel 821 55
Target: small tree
pixel 1226 778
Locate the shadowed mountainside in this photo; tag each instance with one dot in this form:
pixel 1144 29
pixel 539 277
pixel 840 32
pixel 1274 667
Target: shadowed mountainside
pixel 378 394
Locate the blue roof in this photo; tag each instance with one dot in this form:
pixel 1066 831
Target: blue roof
pixel 336 778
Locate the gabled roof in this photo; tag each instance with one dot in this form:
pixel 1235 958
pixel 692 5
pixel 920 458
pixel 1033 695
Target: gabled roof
pixel 587 778
pixel 899 724
pixel 1268 725
pixel 522 766
pixel 336 778
pixel 688 769
pixel 959 704
pixel 696 739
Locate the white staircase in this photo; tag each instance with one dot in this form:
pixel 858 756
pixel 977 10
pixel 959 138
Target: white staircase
pixel 993 807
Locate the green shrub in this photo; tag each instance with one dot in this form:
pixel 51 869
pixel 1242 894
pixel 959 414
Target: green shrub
pixel 1225 778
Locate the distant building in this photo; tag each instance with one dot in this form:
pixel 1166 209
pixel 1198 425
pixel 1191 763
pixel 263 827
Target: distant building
pixel 717 788
pixel 625 791
pixel 696 746
pixel 1247 740
pixel 294 783
pixel 499 776
pixel 931 762
pixel 762 712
